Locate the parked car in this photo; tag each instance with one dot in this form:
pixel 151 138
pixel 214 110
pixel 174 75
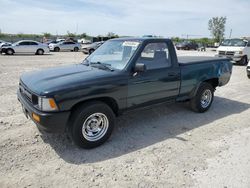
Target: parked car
pixel 26 47
pixel 236 49
pixel 4 43
pixel 248 69
pixel 123 74
pixel 65 46
pixel 90 48
pixel 187 45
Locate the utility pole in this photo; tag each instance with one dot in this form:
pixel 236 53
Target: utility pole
pixel 230 35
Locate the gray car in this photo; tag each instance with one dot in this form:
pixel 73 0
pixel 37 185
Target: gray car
pixel 64 46
pixel 90 48
pixel 25 47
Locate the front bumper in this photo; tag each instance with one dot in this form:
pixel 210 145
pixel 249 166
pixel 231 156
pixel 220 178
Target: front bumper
pixel 49 121
pixel 234 58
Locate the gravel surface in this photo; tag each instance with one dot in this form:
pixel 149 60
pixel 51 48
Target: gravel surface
pixel 167 146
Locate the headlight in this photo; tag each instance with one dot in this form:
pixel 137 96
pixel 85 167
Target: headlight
pixel 239 53
pixel 47 104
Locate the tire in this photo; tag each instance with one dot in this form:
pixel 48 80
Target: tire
pixel 76 49
pixel 243 60
pixel 56 49
pixel 83 129
pixel 40 52
pixel 248 76
pixel 91 51
pixel 203 98
pixel 9 51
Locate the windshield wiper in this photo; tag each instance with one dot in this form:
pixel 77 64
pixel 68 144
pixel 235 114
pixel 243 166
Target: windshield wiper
pixel 103 65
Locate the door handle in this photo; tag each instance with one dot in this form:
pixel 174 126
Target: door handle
pixel 172 74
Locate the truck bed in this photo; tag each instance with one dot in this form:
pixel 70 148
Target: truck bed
pixel 187 60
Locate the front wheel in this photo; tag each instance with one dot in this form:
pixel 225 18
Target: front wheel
pixel 92 124
pixel 243 61
pixel 76 49
pixel 203 99
pixel 9 51
pixel 40 52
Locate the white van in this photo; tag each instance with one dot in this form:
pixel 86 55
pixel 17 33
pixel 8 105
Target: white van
pixel 236 49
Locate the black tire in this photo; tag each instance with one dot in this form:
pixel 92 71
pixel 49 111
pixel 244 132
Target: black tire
pixel 40 52
pixel 76 49
pixel 243 60
pixel 56 49
pixel 248 76
pixel 81 118
pixel 91 51
pixel 197 103
pixel 9 51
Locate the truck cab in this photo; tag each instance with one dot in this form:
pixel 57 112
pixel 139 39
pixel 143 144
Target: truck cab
pixel 236 49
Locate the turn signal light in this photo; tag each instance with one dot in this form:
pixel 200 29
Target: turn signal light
pixel 36 117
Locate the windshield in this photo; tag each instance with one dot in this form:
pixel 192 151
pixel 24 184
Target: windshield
pixel 116 53
pixel 234 42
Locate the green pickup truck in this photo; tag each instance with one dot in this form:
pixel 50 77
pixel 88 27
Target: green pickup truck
pixel 123 74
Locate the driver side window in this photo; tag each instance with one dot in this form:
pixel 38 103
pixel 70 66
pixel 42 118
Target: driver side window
pixel 155 56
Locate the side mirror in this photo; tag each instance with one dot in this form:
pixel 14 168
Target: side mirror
pixel 140 67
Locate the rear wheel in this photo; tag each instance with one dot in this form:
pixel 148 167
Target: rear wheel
pixel 9 51
pixel 56 49
pixel 76 49
pixel 92 124
pixel 203 99
pixel 40 52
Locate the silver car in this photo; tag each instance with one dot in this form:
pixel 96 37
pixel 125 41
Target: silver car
pixel 26 47
pixel 64 46
pixel 90 48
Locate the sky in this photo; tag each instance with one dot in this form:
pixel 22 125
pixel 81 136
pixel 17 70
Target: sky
pixel 166 18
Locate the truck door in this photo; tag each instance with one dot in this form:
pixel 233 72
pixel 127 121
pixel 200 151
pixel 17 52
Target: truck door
pixel 161 79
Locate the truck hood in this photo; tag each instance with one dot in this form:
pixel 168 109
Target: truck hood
pixel 230 48
pixel 56 79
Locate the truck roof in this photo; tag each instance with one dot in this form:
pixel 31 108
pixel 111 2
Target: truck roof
pixel 139 38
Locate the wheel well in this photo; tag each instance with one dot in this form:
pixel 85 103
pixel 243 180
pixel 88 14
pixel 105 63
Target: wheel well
pixel 11 49
pixel 107 100
pixel 214 82
pixel 39 49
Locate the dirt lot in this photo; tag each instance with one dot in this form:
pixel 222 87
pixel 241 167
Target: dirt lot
pixel 167 146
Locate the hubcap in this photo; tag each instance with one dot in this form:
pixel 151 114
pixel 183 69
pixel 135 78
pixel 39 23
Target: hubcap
pixel 95 127
pixel 206 98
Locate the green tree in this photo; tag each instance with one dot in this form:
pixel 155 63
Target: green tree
pixel 216 26
pixel 47 35
pixel 112 35
pixel 69 34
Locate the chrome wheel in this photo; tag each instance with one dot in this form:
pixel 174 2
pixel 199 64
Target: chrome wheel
pixel 95 127
pixel 206 98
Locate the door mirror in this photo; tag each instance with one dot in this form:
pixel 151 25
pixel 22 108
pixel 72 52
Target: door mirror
pixel 140 67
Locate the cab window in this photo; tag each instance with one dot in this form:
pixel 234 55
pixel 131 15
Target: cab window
pixel 155 56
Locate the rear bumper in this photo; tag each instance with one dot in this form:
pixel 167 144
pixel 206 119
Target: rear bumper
pixel 49 121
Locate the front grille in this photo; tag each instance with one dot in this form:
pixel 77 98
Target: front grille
pixel 230 53
pixel 27 94
pixel 222 53
pixel 227 53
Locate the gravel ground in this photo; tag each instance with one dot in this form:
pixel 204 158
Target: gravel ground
pixel 167 146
